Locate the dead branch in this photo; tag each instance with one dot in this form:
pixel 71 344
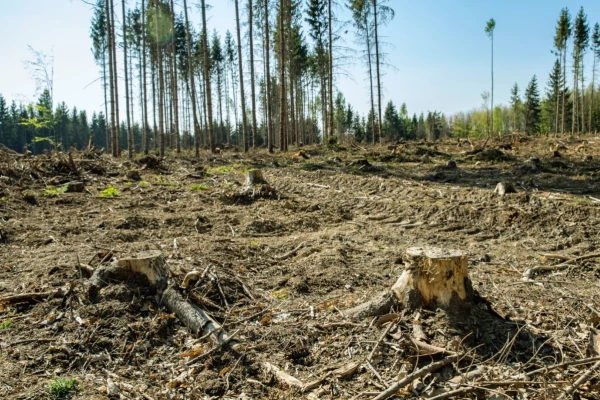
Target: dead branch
pixel 30 296
pixel 393 389
pixel 582 379
pixel 528 273
pixel 282 376
pixel 289 253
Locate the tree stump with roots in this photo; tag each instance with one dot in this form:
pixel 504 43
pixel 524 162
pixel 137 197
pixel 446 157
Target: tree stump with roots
pixel 433 278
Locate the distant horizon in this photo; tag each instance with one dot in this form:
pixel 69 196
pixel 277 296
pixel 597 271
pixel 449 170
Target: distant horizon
pixel 439 52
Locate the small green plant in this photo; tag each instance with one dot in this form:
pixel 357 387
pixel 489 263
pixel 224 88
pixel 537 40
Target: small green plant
pixel 254 243
pixel 52 191
pixel 282 294
pixel 61 388
pixel 162 181
pixel 198 188
pixel 109 193
pixel 143 183
pixel 6 324
pixel 2 198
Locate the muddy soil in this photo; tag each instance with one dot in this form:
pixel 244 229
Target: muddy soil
pixel 350 212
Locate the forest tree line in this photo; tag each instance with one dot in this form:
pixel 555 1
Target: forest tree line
pixel 188 88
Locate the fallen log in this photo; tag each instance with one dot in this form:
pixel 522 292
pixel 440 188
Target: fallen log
pixel 27 297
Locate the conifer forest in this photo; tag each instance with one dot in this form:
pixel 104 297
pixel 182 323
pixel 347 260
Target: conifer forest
pixel 231 223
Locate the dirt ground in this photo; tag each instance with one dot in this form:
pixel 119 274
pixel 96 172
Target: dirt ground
pixel 350 212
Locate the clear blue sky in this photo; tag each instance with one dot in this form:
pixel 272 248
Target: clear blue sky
pixel 439 49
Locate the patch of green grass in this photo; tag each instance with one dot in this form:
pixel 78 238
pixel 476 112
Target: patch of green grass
pixel 61 388
pixel 311 167
pixel 109 193
pixel 199 188
pixel 2 198
pixel 52 191
pixel 282 294
pixel 6 324
pixel 225 169
pixel 143 183
pixel 254 243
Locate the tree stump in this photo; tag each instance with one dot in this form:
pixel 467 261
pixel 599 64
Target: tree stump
pixel 434 278
pixel 255 177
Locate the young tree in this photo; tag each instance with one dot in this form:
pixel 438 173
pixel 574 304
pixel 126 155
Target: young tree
pixel 553 90
pixel 489 30
pixel 532 109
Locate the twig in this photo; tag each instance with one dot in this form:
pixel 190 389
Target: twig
pixel 383 335
pixel 289 253
pixel 582 379
pixel 213 350
pixel 393 389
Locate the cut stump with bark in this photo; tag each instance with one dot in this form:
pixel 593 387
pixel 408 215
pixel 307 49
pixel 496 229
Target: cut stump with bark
pixel 434 278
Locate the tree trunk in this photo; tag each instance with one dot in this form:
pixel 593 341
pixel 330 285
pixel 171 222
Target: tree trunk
pixel 107 127
pixel 113 122
pixel 175 87
pixel 161 90
pixel 252 79
pixel 557 101
pixel 241 70
pixel 582 95
pixel 330 69
pixel 270 132
pixel 377 65
pixel 117 127
pixel 211 132
pixel 562 130
pixel 373 133
pixel 283 102
pixel 192 81
pixel 593 88
pixel 125 70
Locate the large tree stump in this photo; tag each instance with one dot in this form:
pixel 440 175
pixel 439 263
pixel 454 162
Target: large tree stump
pixel 433 278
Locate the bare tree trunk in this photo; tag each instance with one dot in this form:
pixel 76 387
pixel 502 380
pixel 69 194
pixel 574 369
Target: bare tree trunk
pixel 252 79
pixel 113 120
pixel 557 102
pixel 175 86
pixel 193 83
pixel 582 95
pixel 373 134
pixel 593 88
pixel 378 72
pixel 117 128
pixel 575 100
pixel 562 130
pixel 207 80
pixel 330 71
pixel 270 132
pixel 240 65
pixel 106 116
pixel 143 83
pixel 129 132
pixel 283 102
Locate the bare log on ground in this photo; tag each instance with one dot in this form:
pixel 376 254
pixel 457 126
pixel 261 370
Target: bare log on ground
pixel 27 297
pixel 433 278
